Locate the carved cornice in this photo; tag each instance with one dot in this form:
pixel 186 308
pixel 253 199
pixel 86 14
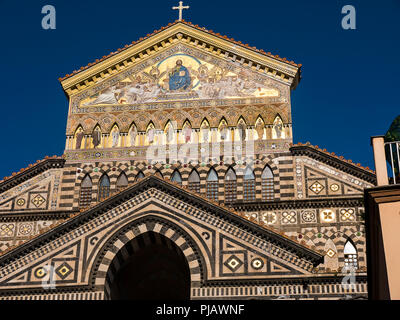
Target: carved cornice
pixel 30 172
pixel 356 201
pixel 186 33
pixel 334 161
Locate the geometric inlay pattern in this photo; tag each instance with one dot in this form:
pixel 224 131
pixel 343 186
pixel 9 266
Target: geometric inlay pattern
pixel 316 187
pixel 233 263
pixel 38 200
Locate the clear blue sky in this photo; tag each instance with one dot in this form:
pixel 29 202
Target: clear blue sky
pixel 348 93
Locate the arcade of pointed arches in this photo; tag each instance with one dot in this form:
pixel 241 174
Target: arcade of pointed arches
pixel 212 183
pixel 170 134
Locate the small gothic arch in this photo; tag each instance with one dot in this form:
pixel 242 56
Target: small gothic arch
pixel 278 130
pixel 104 187
pixel 230 183
pixel 176 177
pixel 159 174
pixel 169 132
pixel 133 135
pixel 223 130
pixel 259 127
pixel 194 181
pixel 350 255
pixel 96 136
pixel 212 185
pixel 114 134
pixel 122 181
pixel 78 137
pixel 140 175
pixel 205 131
pixel 187 131
pixel 241 129
pixel 85 195
pixel 267 184
pixel 249 185
pixel 150 133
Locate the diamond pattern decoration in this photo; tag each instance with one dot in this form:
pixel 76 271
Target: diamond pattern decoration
pixel 330 253
pixel 233 263
pixel 64 270
pixel 38 201
pixel 316 187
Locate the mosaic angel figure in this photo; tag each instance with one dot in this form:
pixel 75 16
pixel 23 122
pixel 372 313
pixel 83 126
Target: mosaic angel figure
pixel 96 136
pixel 242 131
pixel 79 137
pixel 188 133
pixel 132 135
pixel 115 137
pixel 223 131
pixel 204 130
pixel 260 129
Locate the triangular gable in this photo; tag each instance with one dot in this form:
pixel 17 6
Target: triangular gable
pixel 249 250
pixel 182 33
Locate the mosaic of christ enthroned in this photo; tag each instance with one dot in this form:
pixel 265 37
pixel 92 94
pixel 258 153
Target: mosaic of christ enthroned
pixel 181 76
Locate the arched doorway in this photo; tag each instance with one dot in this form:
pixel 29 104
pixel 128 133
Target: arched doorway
pixel 149 267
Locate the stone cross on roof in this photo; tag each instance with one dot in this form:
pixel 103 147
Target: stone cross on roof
pixel 180 8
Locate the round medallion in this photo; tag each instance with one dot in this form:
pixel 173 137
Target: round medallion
pixel 257 263
pixel 40 272
pixel 334 187
pixel 20 202
pixel 25 228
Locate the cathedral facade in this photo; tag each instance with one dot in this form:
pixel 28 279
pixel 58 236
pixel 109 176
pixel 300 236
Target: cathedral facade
pixel 180 180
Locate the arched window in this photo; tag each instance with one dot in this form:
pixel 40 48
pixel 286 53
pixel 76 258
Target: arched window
pixel 212 185
pixel 230 186
pixel 194 181
pixel 350 255
pixel 249 185
pixel 85 196
pixel 104 187
pixel 176 177
pixel 267 184
pixel 79 135
pixel 140 175
pixel 122 181
pixel 159 174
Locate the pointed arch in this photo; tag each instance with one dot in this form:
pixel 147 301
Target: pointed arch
pixel 114 134
pixel 176 177
pixel 133 134
pixel 230 184
pixel 169 132
pixel 267 184
pixel 223 130
pixel 194 181
pixel 85 195
pixel 140 175
pixel 150 133
pixel 78 137
pixel 241 129
pixel 159 174
pixel 278 131
pixel 104 187
pixel 96 136
pixel 187 131
pixel 122 181
pixel 249 185
pixel 205 131
pixel 212 185
pixel 259 126
pixel 350 254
